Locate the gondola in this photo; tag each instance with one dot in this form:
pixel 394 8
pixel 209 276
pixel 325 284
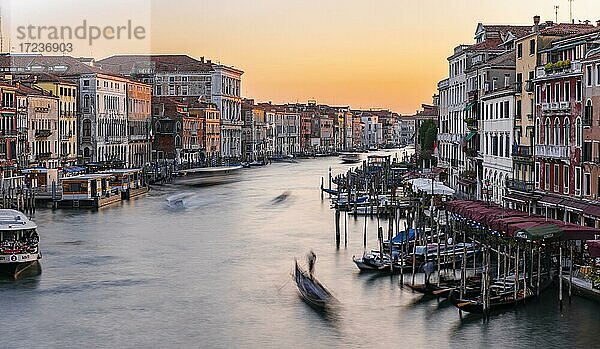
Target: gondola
pixel 311 290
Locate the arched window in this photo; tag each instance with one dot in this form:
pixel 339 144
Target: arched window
pixel 86 152
pixel 87 128
pixel 86 101
pixel 547 132
pixel 556 132
pixel 487 144
pixel 537 131
pixel 588 113
pixel 567 134
pixel 578 138
pixel 177 141
pixel 157 126
pixel 500 186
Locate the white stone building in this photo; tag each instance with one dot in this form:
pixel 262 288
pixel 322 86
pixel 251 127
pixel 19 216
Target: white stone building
pixel 226 94
pixel 103 121
pixel 497 140
pixel 373 130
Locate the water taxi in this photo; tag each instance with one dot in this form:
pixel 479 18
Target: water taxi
pixel 19 249
pixel 208 175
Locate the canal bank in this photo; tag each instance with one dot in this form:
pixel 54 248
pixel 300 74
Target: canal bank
pixel 216 274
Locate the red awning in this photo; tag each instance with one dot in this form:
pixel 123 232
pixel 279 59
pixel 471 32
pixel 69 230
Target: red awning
pixel 574 205
pixel 502 219
pixel 517 197
pixel 550 200
pixel 594 248
pixel 592 210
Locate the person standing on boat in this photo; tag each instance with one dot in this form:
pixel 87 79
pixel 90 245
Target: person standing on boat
pixel 312 258
pixel 428 269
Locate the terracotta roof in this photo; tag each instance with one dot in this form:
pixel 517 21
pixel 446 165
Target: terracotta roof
pixel 45 77
pixel 565 29
pixel 125 64
pixel 49 64
pixel 506 59
pixel 26 90
pixel 516 30
pixel 489 44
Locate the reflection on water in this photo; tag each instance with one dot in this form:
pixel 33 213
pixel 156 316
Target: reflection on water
pixel 141 274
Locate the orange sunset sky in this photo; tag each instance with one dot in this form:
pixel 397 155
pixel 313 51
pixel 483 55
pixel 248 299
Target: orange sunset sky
pixel 379 54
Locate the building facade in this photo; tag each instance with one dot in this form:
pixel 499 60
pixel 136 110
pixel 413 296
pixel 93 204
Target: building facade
pixel 139 117
pixel 66 91
pixel 226 94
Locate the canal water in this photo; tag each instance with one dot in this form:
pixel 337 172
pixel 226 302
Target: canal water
pixel 217 274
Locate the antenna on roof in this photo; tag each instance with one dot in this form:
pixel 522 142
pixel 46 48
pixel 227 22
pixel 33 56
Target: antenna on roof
pixel 1 33
pixel 570 11
pixel 556 12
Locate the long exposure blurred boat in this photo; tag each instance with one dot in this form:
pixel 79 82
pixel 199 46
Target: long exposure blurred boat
pixel 350 158
pixel 208 175
pixel 19 244
pixel 311 290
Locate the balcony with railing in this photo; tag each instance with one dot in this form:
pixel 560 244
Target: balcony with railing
pixel 518 87
pixel 43 156
pixel 472 123
pixel 558 69
pixel 519 185
pixel 529 86
pixel 563 106
pixel 43 133
pixel 449 137
pixel 8 132
pixel 552 151
pixel 522 152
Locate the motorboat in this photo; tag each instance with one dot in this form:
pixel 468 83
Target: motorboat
pixel 350 158
pixel 208 175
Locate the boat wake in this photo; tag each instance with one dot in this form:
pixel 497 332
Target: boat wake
pixel 280 199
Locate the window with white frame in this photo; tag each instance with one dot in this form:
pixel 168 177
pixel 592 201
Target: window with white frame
pixel 537 175
pixel 589 76
pixel 567 92
pixel 547 177
pixel 578 138
pixel 587 184
pixel 556 173
pixel 566 178
pixel 567 128
pixel 577 181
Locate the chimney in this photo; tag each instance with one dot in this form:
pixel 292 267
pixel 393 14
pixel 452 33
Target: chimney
pixel 202 59
pixel 549 24
pixel 586 22
pixel 536 23
pixel 598 23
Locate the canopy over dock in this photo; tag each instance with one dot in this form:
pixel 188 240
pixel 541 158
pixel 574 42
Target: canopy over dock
pixel 515 223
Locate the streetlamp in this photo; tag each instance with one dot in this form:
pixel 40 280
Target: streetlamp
pixel 487 190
